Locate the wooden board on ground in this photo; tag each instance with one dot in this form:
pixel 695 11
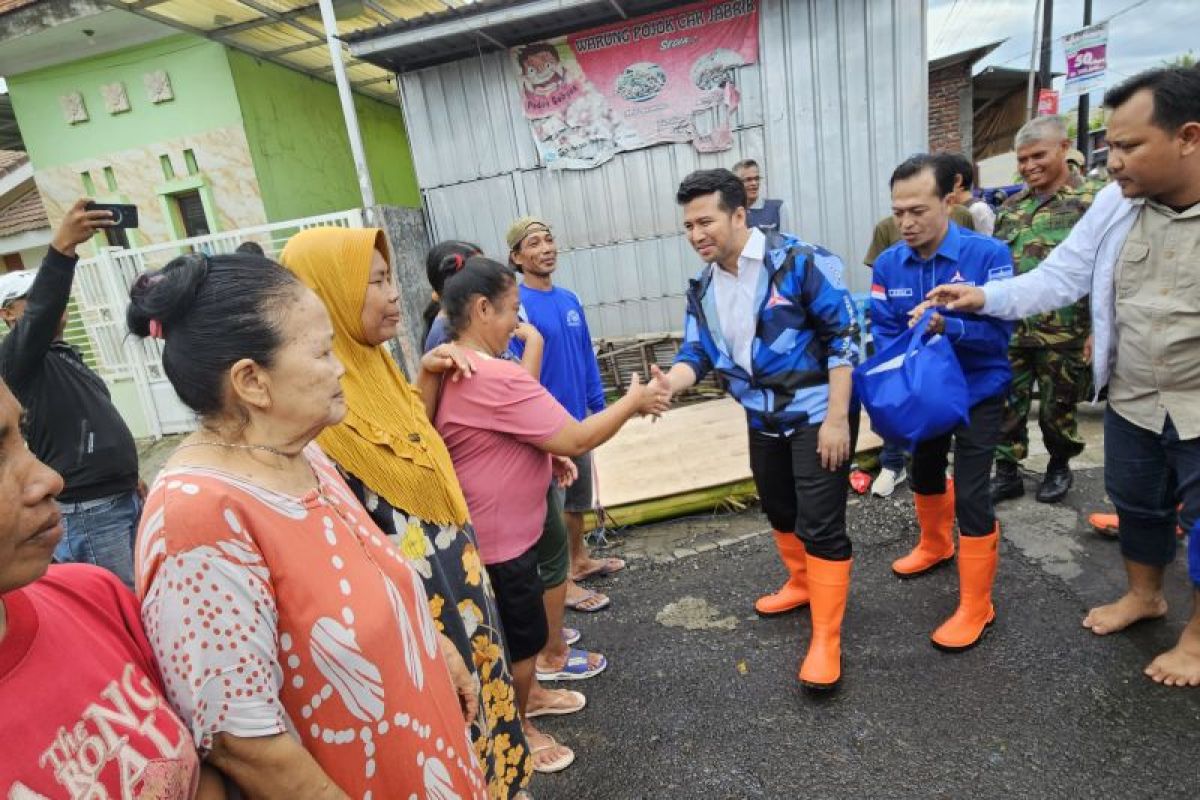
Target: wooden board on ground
pixel 689 449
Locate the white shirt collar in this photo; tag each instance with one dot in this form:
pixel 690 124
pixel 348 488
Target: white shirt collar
pixel 756 246
pixel 751 257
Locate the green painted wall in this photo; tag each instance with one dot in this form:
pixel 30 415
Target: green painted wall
pixel 199 72
pixel 299 145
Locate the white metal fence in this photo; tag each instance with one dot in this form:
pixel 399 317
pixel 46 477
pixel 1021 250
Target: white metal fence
pixel 101 294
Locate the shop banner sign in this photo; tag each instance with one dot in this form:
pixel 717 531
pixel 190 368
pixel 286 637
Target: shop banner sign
pixel 1047 102
pixel 1087 59
pixel 665 77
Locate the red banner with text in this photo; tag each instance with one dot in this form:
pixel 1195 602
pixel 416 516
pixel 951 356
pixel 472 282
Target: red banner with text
pixel 666 77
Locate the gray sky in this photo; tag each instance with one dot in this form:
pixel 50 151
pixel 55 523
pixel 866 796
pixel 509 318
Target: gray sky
pixel 1141 38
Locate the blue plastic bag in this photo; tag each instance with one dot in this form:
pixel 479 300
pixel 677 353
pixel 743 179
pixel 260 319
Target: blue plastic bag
pixel 914 389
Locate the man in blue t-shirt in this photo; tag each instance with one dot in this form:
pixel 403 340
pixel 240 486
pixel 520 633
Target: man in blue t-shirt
pixel 571 374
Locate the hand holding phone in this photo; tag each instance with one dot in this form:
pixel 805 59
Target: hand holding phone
pixel 81 222
pixel 124 215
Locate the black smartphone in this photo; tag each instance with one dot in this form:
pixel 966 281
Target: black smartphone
pixel 125 215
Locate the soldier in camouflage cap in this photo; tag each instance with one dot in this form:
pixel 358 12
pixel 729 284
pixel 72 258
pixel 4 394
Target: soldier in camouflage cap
pixel 1048 349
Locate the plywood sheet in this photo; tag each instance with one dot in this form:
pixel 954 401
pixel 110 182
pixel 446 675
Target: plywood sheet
pixel 689 448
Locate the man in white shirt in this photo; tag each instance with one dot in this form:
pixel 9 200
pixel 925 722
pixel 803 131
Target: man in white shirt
pixel 769 313
pixel 1137 250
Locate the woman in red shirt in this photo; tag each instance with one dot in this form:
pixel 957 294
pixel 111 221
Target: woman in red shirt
pixel 83 703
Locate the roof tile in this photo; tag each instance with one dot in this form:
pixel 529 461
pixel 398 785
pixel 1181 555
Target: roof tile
pixel 26 213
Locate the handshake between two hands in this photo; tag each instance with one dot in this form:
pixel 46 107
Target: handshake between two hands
pixel 654 397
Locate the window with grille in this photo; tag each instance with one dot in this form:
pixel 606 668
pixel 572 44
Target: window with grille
pixel 191 214
pixel 117 237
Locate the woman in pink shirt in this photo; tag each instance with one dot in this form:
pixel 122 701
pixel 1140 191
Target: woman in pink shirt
pixel 501 427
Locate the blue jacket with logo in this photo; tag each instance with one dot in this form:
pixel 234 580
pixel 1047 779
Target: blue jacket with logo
pixel 806 326
pixel 902 279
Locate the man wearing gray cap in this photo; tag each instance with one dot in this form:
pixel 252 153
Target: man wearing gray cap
pixel 570 373
pixel 72 424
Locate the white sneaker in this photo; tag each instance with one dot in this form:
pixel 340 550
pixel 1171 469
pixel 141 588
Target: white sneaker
pixel 887 482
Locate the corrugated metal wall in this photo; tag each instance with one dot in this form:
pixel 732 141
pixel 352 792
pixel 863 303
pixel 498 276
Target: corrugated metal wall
pixel 839 98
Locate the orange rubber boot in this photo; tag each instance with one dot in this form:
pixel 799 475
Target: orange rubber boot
pixel 794 593
pixel 828 583
pixel 935 515
pixel 977 560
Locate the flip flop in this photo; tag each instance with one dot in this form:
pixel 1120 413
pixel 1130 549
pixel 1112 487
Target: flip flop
pixel 571 703
pixel 558 764
pixel 576 668
pixel 1104 524
pixel 571 635
pixel 590 603
pixel 605 567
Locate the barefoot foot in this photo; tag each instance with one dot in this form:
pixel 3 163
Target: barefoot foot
pixel 1179 666
pixel 1103 620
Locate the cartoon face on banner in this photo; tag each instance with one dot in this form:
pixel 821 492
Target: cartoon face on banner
pixel 666 77
pixel 542 70
pixel 547 85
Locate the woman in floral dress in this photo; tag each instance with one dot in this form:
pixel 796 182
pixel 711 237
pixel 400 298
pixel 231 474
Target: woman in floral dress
pixel 397 465
pixel 293 639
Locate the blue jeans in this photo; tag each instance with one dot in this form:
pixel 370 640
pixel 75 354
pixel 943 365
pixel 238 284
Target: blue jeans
pixel 892 456
pixel 1154 481
pixel 101 532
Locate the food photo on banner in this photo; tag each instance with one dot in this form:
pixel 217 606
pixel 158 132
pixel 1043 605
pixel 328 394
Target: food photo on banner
pixel 665 77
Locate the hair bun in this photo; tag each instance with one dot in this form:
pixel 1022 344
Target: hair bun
pixel 165 295
pixel 452 264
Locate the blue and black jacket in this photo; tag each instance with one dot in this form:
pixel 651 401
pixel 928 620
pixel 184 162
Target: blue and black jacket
pixel 902 279
pixel 806 326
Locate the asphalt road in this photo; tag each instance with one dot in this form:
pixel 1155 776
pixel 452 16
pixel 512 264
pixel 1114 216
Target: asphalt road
pixel 1041 709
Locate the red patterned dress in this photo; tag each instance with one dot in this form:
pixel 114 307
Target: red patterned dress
pixel 270 614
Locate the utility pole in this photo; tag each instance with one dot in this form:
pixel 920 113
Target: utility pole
pixel 1045 74
pixel 1082 140
pixel 1030 99
pixel 350 116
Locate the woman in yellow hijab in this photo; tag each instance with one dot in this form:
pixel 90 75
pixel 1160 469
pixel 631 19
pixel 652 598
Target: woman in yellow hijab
pixel 397 464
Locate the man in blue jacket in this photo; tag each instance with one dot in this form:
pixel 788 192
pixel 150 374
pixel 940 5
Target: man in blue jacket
pixel 935 250
pixel 769 313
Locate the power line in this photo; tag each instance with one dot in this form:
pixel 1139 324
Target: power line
pixel 1107 19
pixel 946 25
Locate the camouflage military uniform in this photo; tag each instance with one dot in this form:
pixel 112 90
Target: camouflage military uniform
pixel 1046 349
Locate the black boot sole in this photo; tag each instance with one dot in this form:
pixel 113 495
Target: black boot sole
pixel 771 614
pixel 911 575
pixel 820 689
pixel 964 648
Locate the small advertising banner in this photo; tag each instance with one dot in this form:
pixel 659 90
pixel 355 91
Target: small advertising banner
pixel 666 77
pixel 1047 102
pixel 1087 59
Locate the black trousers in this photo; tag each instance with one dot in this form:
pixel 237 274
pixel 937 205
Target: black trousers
pixel 974 448
pixel 798 494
